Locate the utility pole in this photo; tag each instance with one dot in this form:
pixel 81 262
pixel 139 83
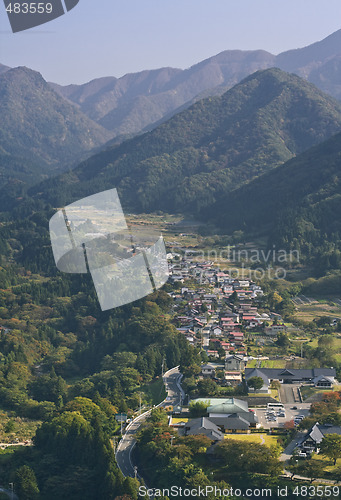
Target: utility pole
pixel 12 490
pixel 135 472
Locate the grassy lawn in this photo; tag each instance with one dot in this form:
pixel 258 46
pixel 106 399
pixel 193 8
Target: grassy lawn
pixel 274 393
pixel 267 363
pixel 326 463
pixel 178 420
pixel 253 438
pixel 308 391
pixel 155 391
pixel 273 363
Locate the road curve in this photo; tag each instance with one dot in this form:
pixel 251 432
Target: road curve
pixel 175 395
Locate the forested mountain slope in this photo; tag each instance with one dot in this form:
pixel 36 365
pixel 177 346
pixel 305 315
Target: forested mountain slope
pixel 298 205
pixel 208 150
pixel 40 132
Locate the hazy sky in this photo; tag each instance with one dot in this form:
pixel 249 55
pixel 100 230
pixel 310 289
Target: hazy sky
pixel 114 37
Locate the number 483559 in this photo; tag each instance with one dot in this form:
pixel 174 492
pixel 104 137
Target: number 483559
pixel 29 8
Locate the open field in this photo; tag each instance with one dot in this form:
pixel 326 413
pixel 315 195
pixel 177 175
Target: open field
pixel 273 394
pixel 253 438
pixel 309 311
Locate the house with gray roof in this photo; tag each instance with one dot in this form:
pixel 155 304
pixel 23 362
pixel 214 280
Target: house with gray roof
pixel 312 440
pixel 204 426
pixel 256 372
pixel 290 375
pixel 220 409
pixel 234 363
pixel 234 423
pixel 324 381
pixel 227 407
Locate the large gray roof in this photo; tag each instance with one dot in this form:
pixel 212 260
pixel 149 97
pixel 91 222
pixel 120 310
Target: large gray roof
pixel 330 429
pixel 318 431
pixel 291 374
pixel 229 406
pixel 256 372
pixel 203 425
pixel 315 434
pixel 233 422
pixel 202 422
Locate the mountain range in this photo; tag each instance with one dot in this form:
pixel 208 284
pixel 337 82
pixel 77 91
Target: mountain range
pixel 127 105
pixel 41 133
pixel 47 128
pixel 208 150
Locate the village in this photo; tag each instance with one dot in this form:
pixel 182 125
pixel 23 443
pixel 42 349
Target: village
pixel 222 316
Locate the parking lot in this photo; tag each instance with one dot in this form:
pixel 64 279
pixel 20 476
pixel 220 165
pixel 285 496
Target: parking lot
pixel 290 414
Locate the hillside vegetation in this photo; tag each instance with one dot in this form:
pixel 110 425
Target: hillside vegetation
pixel 210 149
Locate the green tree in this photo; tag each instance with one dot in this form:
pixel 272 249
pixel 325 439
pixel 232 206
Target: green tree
pixel 198 409
pixel 26 483
pixel 275 384
pixel 207 387
pixel 331 446
pixel 311 468
pixel 10 426
pixel 255 383
pixel 283 340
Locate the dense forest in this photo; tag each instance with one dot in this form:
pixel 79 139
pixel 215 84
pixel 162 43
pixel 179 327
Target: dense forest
pixel 207 150
pixel 66 363
pixel 297 206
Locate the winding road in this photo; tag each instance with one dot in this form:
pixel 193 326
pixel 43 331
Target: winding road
pixel 175 395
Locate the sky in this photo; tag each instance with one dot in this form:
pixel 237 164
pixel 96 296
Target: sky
pixel 114 37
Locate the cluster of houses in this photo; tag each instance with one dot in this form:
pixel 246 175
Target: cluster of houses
pixel 212 320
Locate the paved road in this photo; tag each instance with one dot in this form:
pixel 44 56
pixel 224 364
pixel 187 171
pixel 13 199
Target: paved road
pixel 288 393
pixel 9 493
pixel 289 450
pixel 125 447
